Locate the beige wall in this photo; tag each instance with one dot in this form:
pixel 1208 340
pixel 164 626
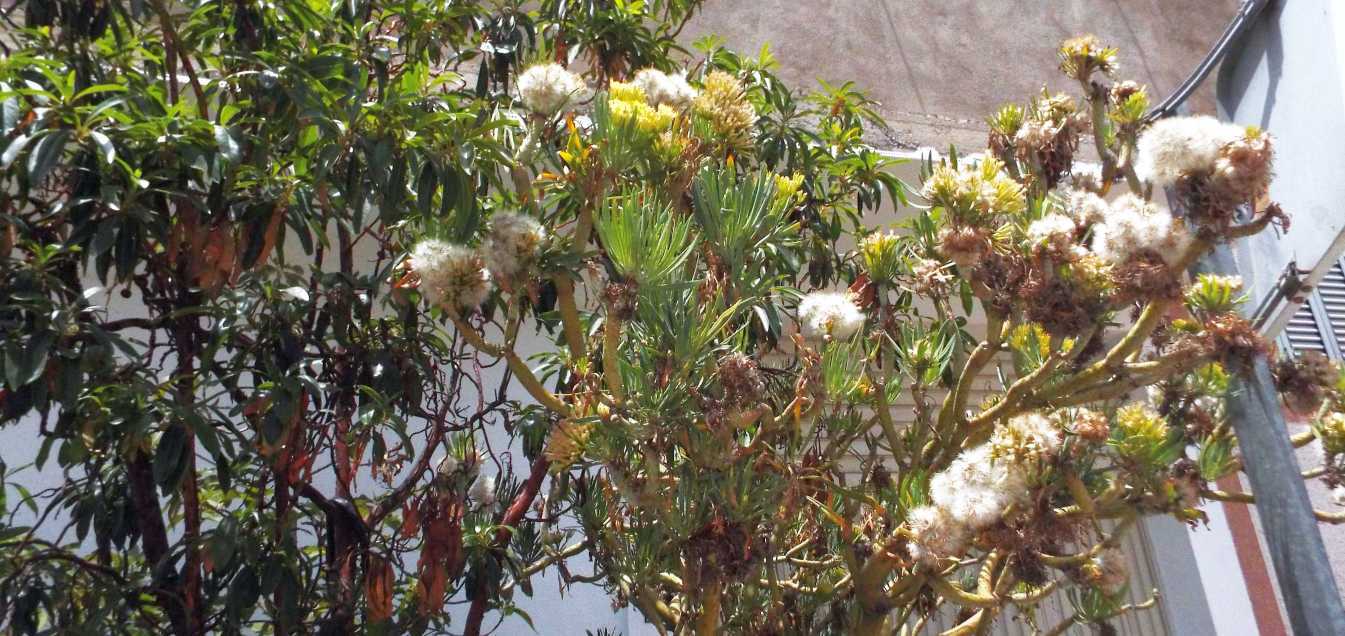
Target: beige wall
pixel 940 66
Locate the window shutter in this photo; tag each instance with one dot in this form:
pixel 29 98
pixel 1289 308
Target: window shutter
pixel 1319 324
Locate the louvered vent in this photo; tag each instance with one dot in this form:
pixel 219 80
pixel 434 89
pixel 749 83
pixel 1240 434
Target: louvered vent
pixel 1319 324
pixel 1332 292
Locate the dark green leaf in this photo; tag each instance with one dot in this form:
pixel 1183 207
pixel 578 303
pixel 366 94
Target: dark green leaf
pixel 170 457
pixel 45 154
pixel 12 151
pixel 25 365
pixel 228 146
pixel 105 148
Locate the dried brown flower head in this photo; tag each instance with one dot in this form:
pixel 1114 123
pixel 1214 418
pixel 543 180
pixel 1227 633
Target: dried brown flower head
pixel 964 245
pixel 1091 426
pixel 1234 339
pixel 998 279
pixel 1056 303
pixel 1144 276
pixel 1243 169
pixel 1122 91
pixel 741 378
pixel 930 278
pixel 1304 381
pixel 621 298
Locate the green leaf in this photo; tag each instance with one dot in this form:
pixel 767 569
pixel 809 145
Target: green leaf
pixel 105 147
pixel 243 593
pixel 426 184
pixel 205 432
pixel 23 366
pixel 228 146
pixel 644 239
pixel 170 457
pixel 15 147
pixel 1216 458
pixel 100 88
pixel 45 155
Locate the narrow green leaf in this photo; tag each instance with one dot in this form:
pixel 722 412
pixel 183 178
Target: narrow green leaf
pixel 15 147
pixel 228 146
pixel 45 155
pixel 105 147
pixel 169 457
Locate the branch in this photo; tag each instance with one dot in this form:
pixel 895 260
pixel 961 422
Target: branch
pixel 956 401
pixel 170 35
pixel 611 343
pixel 1248 498
pixel 511 518
pixel 545 562
pixel 1064 625
pixel 516 364
pixel 403 490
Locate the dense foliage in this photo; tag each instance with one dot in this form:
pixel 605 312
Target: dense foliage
pixel 272 273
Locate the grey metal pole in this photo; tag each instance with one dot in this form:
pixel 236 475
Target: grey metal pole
pixel 1292 537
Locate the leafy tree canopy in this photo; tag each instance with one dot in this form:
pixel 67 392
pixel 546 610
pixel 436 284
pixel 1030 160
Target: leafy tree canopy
pixel 267 270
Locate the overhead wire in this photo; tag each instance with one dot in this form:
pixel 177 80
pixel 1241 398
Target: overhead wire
pixel 1242 21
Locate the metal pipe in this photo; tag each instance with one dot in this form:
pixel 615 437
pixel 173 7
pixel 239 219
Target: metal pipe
pixel 1293 539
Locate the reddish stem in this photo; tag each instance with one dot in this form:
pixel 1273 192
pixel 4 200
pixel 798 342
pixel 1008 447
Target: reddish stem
pixel 511 517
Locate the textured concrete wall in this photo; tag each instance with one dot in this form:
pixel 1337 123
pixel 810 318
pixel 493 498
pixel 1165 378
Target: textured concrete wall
pixel 940 66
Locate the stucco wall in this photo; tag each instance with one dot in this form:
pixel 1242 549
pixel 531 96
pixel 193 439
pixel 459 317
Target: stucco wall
pixel 940 66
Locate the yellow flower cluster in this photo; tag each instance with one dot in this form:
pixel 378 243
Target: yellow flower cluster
pixel 787 188
pixel 1031 338
pixel 628 104
pixel 1331 430
pixel 723 102
pixel 983 189
pixel 1081 56
pixel 625 92
pixel 566 443
pixel 882 255
pixel 1142 432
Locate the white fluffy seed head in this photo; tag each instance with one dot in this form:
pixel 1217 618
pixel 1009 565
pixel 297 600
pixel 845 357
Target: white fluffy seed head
pixel 832 314
pixel 1036 135
pixel 1134 225
pixel 980 485
pixel 1087 208
pixel 547 88
pixel 1055 229
pixel 451 276
pixel 1031 432
pixel 662 88
pixel 1178 146
pixel 483 491
pixel 936 534
pixel 513 244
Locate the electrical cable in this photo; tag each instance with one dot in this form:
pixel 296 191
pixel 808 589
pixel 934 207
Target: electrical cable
pixel 1242 21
